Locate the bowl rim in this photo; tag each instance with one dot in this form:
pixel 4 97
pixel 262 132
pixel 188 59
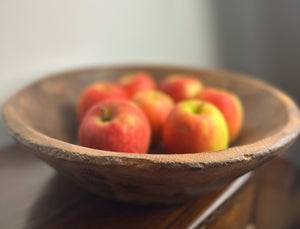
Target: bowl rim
pixel 43 144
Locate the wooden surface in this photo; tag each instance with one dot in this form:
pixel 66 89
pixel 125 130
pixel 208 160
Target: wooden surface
pixel 33 195
pixel 42 117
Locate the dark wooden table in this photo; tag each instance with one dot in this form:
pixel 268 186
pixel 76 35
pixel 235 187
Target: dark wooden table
pixel 33 195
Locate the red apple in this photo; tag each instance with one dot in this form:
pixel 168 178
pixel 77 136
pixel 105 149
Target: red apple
pixel 181 87
pixel 157 106
pixel 195 126
pixel 230 106
pixel 97 92
pixel 115 125
pixel 136 82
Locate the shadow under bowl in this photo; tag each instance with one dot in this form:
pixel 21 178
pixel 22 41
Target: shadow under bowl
pixel 42 117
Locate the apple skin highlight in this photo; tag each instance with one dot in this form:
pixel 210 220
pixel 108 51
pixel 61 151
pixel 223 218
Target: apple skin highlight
pixel 195 126
pixel 229 104
pixel 115 125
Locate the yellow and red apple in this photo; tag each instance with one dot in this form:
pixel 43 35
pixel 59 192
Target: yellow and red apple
pixel 181 87
pixel 115 125
pixel 195 126
pixel 136 82
pixel 229 104
pixel 156 106
pixel 98 92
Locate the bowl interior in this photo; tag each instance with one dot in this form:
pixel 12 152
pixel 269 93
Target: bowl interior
pixel 49 105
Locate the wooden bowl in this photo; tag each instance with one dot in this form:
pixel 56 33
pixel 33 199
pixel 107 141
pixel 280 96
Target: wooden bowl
pixel 42 118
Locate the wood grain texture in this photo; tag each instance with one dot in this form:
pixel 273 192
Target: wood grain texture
pixel 34 196
pixel 42 117
pixel 274 194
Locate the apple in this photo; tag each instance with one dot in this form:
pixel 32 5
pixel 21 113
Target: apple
pixel 195 126
pixel 229 104
pixel 156 106
pixel 115 125
pixel 181 87
pixel 136 82
pixel 97 92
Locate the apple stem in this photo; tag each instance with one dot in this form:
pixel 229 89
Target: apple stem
pixel 106 114
pixel 198 111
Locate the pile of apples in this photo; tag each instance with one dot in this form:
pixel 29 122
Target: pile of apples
pixel 179 112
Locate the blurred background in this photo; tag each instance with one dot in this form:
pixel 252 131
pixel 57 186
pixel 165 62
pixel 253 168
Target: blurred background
pixel 253 37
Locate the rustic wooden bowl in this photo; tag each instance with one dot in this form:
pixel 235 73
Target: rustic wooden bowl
pixel 42 118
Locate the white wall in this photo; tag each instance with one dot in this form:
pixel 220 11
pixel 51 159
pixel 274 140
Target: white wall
pixel 39 37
